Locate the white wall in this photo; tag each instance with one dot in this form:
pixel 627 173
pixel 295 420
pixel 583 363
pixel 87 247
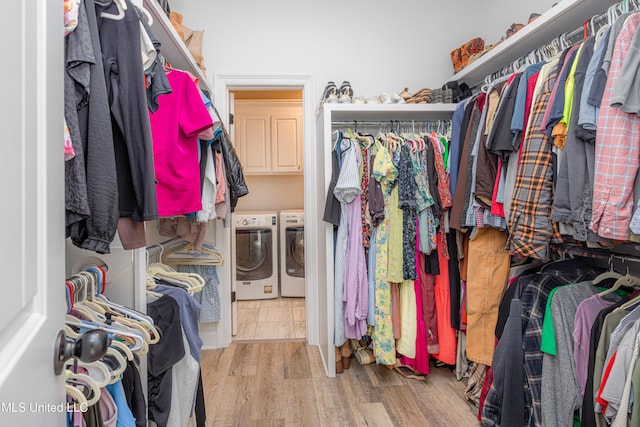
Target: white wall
pixel 376 45
pixel 272 193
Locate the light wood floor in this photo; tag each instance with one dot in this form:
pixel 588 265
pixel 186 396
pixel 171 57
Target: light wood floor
pixel 271 319
pixel 284 384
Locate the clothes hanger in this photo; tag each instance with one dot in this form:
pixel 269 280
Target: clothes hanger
pixel 76 395
pixel 120 309
pixel 191 282
pixel 613 13
pixel 609 274
pixel 120 364
pixel 123 348
pixel 121 5
pixel 114 331
pixel 73 378
pixel 92 369
pixel 139 4
pixel 189 255
pixel 88 314
pixel 146 334
pixel 627 280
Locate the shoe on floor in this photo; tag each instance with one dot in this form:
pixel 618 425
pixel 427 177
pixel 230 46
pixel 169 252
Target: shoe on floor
pixel 339 368
pixel 409 372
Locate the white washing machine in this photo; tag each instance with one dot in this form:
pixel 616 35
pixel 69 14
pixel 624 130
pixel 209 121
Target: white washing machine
pixel 292 253
pixel 255 253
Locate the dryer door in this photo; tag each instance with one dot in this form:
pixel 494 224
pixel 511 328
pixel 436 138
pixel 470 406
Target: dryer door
pixel 254 254
pixel 294 237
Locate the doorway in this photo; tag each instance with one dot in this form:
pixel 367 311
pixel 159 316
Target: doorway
pixel 277 173
pixel 313 178
pixel 267 132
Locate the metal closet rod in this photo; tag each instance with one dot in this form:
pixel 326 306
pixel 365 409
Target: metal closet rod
pixel 597 253
pixel 389 123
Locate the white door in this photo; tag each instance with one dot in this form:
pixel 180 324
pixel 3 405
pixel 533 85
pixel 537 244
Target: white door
pixel 31 181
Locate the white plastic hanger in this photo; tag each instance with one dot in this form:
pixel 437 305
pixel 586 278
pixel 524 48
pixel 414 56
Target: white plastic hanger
pixel 121 6
pixel 120 330
pixel 76 395
pixel 189 255
pixel 85 381
pixel 140 5
pixel 627 280
pixel 97 370
pixel 609 274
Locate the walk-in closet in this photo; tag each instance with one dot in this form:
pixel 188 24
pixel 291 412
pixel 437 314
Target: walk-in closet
pixel 321 213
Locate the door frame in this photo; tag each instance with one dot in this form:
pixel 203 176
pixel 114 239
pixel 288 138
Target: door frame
pixel 223 84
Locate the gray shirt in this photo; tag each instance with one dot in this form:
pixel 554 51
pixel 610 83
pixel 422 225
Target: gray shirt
pixel 560 393
pixel 626 93
pixel 77 79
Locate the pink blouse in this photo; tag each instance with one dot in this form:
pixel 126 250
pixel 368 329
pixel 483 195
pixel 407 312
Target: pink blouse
pixel 180 117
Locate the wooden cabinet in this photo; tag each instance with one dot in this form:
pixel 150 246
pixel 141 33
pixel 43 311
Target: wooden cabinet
pixel 268 136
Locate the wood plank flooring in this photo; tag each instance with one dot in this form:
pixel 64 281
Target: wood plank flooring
pixel 271 319
pixel 284 384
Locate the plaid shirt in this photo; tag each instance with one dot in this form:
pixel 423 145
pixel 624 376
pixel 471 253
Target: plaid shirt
pixel 531 229
pixel 617 152
pixel 534 301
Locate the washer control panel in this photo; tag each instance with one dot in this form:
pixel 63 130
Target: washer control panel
pixel 256 220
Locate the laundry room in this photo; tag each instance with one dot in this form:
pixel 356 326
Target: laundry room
pixel 268 224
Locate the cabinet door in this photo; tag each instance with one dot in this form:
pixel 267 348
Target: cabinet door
pixel 286 141
pixel 252 134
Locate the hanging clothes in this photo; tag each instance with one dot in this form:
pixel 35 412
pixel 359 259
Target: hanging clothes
pixel 180 117
pixel 97 231
pixel 129 113
pixel 347 190
pixel 383 341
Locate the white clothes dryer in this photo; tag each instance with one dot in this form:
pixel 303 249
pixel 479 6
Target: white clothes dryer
pixel 254 246
pixel 292 272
